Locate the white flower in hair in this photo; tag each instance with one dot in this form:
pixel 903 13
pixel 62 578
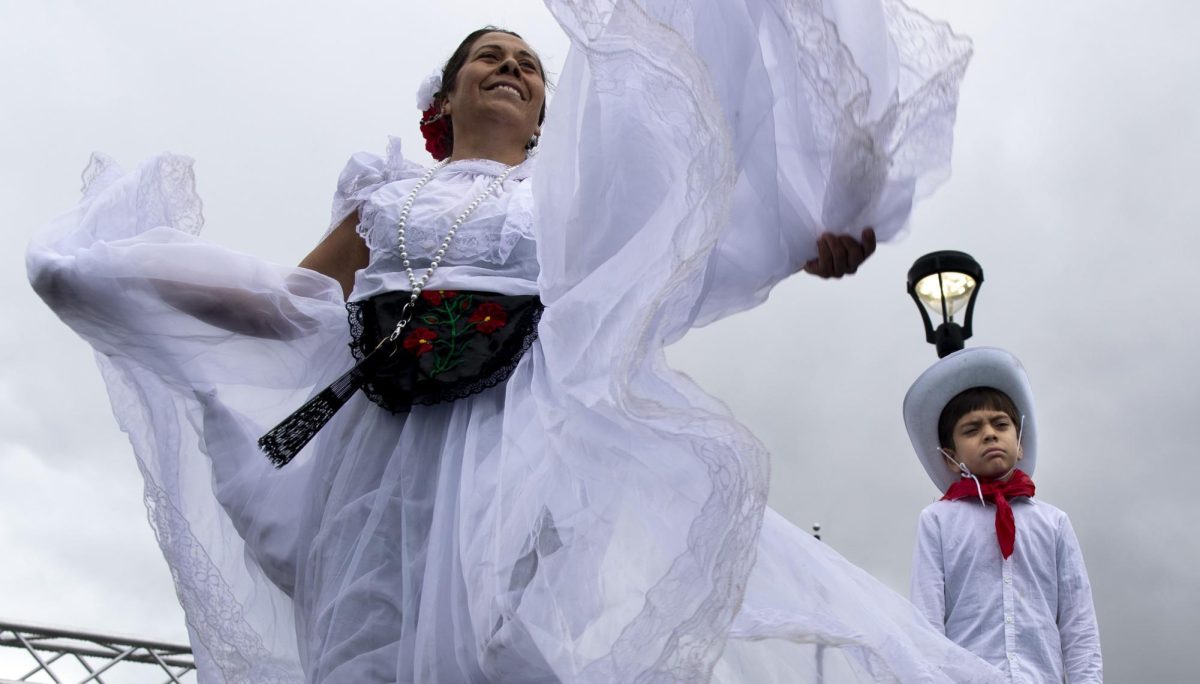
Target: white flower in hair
pixel 429 87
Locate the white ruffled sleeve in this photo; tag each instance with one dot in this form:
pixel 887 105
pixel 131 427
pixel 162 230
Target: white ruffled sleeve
pixel 365 173
pixel 201 349
pixel 772 122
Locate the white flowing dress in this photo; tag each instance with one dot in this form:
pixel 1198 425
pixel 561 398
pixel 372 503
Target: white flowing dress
pixel 597 518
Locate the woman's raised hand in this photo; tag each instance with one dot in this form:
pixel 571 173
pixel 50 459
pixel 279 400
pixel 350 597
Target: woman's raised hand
pixel 839 255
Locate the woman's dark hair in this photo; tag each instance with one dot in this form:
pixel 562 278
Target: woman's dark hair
pixel 974 399
pixel 459 58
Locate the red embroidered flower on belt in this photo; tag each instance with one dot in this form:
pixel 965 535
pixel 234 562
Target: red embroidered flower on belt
pixel 488 317
pixel 435 297
pixel 420 341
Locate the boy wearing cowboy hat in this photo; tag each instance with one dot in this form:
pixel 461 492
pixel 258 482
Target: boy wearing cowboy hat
pixel 998 571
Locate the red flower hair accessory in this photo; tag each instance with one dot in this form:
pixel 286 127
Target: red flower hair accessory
pixel 439 137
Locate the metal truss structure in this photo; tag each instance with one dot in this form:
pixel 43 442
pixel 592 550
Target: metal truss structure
pixel 67 656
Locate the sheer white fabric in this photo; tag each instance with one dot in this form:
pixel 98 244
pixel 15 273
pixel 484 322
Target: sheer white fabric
pixel 598 518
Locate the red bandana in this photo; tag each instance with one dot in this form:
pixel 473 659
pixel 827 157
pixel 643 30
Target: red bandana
pixel 999 493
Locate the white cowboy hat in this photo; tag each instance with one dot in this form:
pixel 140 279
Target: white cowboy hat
pixel 941 382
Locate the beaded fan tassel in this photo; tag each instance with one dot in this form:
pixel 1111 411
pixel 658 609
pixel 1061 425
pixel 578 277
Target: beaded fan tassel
pixel 287 438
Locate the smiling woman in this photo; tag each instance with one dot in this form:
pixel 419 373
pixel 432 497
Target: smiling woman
pixel 495 96
pixel 524 491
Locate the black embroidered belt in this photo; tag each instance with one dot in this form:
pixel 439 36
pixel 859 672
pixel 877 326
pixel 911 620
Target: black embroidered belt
pixel 458 343
pixel 455 344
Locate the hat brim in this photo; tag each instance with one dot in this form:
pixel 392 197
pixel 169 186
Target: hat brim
pixel 941 382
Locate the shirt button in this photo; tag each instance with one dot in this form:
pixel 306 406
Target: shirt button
pixel 1008 619
pixel 1012 657
pixel 1007 579
pixel 429 244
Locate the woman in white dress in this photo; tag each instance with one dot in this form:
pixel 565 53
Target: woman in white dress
pixel 595 516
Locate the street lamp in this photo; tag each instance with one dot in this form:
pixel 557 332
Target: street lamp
pixel 942 283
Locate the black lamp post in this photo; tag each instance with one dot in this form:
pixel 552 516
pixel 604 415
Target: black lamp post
pixel 942 282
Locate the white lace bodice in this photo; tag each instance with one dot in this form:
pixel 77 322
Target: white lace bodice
pixel 494 250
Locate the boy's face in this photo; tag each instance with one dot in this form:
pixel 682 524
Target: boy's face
pixel 986 441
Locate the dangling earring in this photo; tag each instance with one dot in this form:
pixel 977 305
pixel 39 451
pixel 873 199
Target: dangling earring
pixel 437 130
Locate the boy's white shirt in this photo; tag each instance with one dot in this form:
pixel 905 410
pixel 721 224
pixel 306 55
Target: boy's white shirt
pixel 1031 614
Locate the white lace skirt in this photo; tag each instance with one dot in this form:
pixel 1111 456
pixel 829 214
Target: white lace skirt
pixel 598 518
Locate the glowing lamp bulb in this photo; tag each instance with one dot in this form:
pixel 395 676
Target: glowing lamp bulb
pixel 954 288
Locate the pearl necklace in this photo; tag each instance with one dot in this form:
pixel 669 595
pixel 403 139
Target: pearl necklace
pixel 402 222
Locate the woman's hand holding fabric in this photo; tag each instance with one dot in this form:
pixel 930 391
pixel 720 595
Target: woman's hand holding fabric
pixel 839 255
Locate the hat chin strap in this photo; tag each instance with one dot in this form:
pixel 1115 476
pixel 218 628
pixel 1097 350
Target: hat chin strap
pixel 965 472
pixel 1020 446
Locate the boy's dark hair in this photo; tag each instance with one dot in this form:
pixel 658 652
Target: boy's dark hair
pixel 973 399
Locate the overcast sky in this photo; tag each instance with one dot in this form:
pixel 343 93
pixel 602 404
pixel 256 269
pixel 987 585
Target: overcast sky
pixel 1074 184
